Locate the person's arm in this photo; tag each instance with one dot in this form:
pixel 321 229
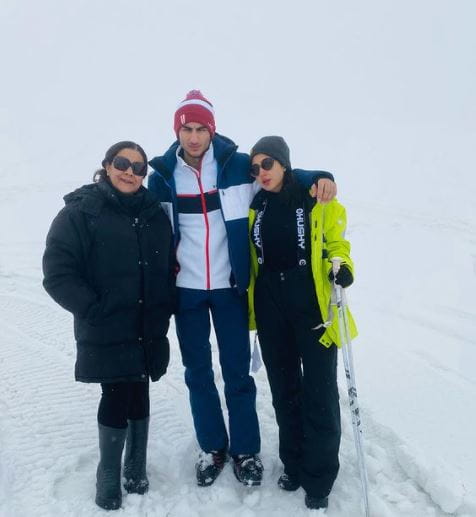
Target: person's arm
pixel 173 270
pixel 64 268
pixel 320 183
pixel 335 223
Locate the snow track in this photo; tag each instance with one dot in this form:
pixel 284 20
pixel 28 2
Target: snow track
pixel 47 418
pixel 48 438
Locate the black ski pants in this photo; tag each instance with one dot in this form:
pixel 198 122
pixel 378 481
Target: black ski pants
pixel 122 401
pixel 302 375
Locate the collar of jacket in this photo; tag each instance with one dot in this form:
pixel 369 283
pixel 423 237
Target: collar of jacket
pixel 149 204
pixel 223 148
pixel 207 159
pixel 294 191
pixel 290 184
pixel 87 198
pixel 92 198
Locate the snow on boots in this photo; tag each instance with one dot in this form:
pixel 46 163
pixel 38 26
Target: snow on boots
pixel 288 483
pixel 316 503
pixel 209 466
pixel 248 469
pixel 135 458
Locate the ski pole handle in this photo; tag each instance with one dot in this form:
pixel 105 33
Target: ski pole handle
pixel 336 262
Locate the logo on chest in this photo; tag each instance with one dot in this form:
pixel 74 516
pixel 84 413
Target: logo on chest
pixel 300 228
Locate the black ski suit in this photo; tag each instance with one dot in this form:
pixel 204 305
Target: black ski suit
pixel 302 373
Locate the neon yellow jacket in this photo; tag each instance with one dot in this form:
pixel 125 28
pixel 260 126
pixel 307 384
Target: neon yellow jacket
pixel 328 223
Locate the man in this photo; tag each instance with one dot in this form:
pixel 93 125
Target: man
pixel 205 186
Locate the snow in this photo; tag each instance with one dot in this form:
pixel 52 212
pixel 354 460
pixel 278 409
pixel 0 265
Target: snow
pixel 381 93
pixel 443 485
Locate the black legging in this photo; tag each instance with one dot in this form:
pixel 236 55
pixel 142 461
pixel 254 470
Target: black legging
pixel 123 401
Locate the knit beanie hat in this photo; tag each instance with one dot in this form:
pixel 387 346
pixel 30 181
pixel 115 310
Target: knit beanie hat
pixel 195 108
pixel 274 146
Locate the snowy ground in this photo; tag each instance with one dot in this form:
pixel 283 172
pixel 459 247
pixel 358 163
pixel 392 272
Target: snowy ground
pixel 413 361
pixel 380 93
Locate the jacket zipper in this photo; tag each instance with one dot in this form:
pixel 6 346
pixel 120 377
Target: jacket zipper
pixel 198 174
pixel 230 254
pixel 142 292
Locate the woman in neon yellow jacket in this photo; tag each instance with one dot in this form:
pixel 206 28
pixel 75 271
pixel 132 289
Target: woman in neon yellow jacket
pixel 293 239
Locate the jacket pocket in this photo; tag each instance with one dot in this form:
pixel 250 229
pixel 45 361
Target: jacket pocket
pixel 96 312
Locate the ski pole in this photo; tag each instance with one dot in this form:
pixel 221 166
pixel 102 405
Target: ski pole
pixel 341 303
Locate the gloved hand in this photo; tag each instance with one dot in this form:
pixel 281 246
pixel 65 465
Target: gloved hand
pixel 344 277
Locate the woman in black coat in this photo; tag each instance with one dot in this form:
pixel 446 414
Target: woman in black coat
pixel 109 261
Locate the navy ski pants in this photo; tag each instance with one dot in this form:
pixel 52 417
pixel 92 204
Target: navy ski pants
pixel 229 311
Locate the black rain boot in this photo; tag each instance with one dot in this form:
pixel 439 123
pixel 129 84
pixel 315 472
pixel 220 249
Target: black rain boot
pixel 108 475
pixel 136 457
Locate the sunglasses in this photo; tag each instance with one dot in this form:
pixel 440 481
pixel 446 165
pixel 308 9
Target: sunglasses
pixel 266 164
pixel 122 164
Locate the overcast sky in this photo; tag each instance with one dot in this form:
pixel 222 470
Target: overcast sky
pixel 365 89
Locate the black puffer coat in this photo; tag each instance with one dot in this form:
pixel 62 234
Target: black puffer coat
pixel 114 272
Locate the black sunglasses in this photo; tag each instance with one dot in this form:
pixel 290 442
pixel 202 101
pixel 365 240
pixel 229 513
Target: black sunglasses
pixel 122 163
pixel 266 164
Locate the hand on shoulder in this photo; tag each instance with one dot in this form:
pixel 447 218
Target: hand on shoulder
pixel 324 191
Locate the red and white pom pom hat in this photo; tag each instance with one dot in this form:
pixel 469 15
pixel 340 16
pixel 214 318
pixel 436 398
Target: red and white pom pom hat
pixel 195 108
